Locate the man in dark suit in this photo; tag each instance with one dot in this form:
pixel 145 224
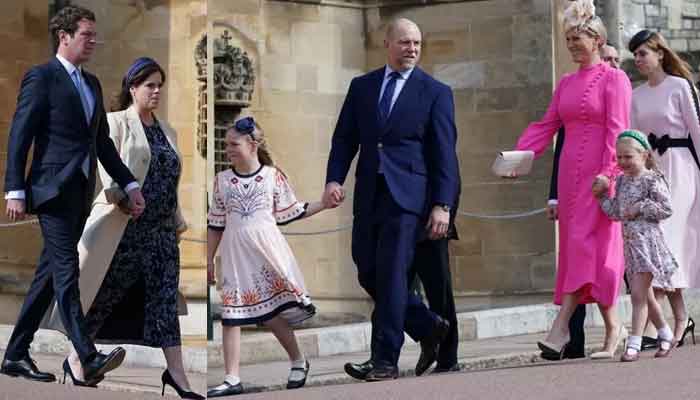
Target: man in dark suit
pixel 431 264
pixel 402 121
pixel 60 111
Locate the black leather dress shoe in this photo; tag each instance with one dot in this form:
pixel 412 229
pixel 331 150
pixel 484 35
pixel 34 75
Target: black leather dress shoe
pixel 103 363
pixel 359 371
pixel 297 383
pixel 225 389
pixel 430 346
pixel 439 369
pixel 382 373
pixel 25 368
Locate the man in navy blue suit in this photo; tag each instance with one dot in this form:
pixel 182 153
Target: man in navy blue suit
pixel 402 122
pixel 60 112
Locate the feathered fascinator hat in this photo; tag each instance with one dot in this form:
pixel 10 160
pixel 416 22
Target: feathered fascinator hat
pixel 580 15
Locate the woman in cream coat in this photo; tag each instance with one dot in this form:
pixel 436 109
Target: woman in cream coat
pixel 130 268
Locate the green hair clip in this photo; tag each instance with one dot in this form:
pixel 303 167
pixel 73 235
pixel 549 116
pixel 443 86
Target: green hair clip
pixel 636 135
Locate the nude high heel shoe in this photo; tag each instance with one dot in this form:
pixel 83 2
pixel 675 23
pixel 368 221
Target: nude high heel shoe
pixel 621 337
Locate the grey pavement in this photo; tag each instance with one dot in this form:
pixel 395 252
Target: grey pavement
pixel 482 354
pixel 46 341
pixel 673 378
pixel 128 383
pixel 260 346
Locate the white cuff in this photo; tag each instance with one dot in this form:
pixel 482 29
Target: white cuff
pixel 133 185
pixel 15 195
pixel 552 202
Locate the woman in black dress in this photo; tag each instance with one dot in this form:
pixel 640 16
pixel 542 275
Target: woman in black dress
pixel 137 302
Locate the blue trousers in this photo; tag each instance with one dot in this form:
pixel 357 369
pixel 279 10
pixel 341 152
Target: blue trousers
pixel 383 245
pixel 62 220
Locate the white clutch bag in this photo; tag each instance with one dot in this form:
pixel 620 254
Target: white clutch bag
pixel 513 163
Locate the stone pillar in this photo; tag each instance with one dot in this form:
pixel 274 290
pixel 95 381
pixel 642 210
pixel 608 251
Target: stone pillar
pixel 612 18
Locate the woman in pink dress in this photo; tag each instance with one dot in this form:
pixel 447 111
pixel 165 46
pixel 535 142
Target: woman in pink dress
pixel 593 105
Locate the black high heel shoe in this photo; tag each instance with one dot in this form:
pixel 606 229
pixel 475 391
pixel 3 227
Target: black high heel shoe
pixel 76 382
pixel 166 378
pixel 551 352
pixel 690 327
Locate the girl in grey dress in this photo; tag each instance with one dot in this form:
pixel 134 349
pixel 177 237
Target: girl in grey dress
pixel 641 201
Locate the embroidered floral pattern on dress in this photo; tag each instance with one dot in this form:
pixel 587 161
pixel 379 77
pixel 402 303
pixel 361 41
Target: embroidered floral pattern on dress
pixel 246 198
pixel 259 275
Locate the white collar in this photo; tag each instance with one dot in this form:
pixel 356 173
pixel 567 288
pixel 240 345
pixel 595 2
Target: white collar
pixel 68 65
pixel 404 74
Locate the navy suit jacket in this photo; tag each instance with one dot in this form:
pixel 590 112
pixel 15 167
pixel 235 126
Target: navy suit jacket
pixel 50 115
pixel 416 147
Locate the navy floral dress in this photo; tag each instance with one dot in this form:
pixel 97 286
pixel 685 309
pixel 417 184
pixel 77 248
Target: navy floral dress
pixel 137 302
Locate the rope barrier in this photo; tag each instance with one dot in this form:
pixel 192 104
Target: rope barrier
pixel 332 230
pixel 323 232
pixel 505 216
pixel 18 223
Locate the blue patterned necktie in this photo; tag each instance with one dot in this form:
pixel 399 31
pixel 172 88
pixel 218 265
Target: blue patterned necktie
pixel 385 102
pixel 83 97
pixel 85 166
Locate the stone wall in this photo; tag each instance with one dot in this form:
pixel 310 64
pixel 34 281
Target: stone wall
pixel 168 32
pixel 304 57
pixel 677 20
pixel 25 41
pixel 497 57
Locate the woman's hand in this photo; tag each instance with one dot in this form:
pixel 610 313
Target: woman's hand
pixel 124 206
pixel 601 184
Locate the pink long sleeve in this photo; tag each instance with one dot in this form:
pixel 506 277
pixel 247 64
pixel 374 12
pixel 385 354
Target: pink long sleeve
pixel 538 135
pixel 618 99
pixel 690 117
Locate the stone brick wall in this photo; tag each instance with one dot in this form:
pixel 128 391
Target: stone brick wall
pixel 304 58
pixel 25 41
pixel 677 20
pixel 497 57
pixel 167 32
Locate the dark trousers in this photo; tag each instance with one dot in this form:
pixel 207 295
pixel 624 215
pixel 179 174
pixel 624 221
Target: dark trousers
pixel 431 263
pixel 62 220
pixel 382 247
pixel 577 339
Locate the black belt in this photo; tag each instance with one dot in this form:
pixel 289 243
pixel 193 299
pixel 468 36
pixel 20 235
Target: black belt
pixel 665 142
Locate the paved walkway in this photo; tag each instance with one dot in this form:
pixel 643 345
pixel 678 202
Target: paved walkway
pixel 673 378
pixel 474 355
pixel 142 383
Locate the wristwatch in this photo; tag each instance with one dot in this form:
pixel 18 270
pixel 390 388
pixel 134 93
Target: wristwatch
pixel 444 207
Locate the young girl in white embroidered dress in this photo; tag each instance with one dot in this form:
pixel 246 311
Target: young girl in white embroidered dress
pixel 260 280
pixel 641 201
